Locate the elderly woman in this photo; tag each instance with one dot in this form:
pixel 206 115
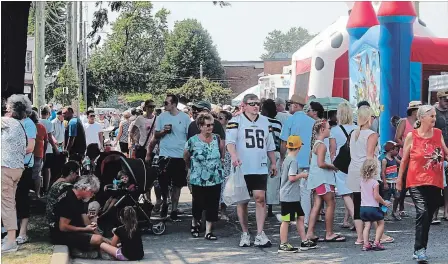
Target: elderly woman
pixel 339 136
pixel 123 133
pixel 14 149
pixel 363 145
pixel 203 157
pixel 424 153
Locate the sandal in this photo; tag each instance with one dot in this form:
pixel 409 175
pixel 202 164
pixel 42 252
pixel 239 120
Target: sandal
pixel 194 231
pixel 387 240
pixel 210 236
pixel 337 238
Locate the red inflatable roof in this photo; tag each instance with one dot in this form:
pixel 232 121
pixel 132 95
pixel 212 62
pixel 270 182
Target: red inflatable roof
pixel 362 15
pixel 430 50
pixel 397 8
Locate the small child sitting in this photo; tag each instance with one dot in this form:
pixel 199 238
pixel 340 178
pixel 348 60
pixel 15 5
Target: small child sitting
pixel 389 174
pixel 122 184
pixel 128 235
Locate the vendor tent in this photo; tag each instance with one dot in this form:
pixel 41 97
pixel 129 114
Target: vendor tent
pixel 437 83
pixel 254 90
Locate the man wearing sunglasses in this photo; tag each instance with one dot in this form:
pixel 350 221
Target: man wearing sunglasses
pixel 93 130
pixel 171 129
pixel 204 107
pixel 250 143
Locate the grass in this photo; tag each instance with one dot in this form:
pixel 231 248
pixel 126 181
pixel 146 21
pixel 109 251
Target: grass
pixel 39 249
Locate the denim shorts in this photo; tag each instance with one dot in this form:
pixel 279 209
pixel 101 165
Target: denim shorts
pixel 371 214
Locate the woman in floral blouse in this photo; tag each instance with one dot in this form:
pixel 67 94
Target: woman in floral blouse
pixel 203 156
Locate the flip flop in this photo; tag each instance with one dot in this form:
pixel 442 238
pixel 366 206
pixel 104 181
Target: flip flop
pixel 387 240
pixel 345 226
pixel 337 238
pixel 210 236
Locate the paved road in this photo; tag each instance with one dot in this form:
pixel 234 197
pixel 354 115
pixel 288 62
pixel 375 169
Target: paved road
pixel 177 246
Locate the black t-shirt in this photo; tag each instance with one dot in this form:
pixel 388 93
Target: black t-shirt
pixel 75 128
pixel 68 206
pixel 131 248
pixel 193 130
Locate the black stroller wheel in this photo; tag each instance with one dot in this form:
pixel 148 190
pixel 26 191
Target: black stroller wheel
pixel 158 228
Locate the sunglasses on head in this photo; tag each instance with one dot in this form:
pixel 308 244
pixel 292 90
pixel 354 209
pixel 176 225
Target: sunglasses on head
pixel 254 104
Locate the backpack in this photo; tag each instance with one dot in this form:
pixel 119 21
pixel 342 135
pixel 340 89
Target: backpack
pixel 343 159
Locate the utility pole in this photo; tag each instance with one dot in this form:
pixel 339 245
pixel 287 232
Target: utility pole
pixel 68 27
pixel 39 56
pixel 84 45
pixel 80 49
pixel 75 38
pixel 200 70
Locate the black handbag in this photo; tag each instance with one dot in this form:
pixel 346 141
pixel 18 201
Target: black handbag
pixel 140 151
pixel 343 159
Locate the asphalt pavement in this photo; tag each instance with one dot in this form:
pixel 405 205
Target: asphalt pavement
pixel 177 246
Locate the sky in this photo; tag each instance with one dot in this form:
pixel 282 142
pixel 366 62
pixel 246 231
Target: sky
pixel 239 30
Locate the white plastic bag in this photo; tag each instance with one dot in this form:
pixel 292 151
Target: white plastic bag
pixel 235 191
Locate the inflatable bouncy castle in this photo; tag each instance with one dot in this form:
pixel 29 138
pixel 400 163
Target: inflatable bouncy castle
pixel 382 56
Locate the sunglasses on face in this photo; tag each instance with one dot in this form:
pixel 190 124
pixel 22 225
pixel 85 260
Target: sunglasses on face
pixel 91 115
pixel 209 125
pixel 221 118
pixel 254 104
pixel 166 103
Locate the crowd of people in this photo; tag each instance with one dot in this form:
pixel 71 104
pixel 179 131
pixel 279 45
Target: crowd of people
pixel 293 154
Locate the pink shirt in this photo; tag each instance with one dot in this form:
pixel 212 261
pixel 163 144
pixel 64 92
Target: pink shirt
pixel 367 193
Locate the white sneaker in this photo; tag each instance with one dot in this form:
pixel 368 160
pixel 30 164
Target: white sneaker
pixel 22 240
pixel 245 240
pixel 262 240
pixel 6 247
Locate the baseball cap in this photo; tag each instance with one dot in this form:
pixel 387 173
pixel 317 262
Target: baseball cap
pixel 294 142
pixel 295 98
pixel 442 94
pixel 389 145
pixel 202 105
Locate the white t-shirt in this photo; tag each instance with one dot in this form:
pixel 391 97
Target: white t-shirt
pixel 49 127
pixel 253 140
pixel 144 125
pixel 339 136
pixel 92 133
pixel 104 123
pixel 282 117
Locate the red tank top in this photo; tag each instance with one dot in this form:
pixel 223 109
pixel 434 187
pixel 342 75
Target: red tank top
pixel 426 160
pixel 408 128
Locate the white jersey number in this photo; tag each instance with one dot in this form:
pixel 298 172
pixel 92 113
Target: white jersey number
pixel 254 138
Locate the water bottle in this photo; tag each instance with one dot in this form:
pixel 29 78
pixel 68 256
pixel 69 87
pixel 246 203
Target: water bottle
pixel 384 208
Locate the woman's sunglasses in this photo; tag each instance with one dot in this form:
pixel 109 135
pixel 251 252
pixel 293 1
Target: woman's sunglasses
pixel 209 125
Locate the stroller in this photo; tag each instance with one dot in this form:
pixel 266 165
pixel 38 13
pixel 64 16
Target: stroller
pixel 108 166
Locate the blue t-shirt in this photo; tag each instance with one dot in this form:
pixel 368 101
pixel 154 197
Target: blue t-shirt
pixel 76 129
pixel 172 145
pixel 31 131
pixel 301 125
pixel 53 115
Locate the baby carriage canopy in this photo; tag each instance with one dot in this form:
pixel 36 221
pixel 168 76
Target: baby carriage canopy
pixel 138 171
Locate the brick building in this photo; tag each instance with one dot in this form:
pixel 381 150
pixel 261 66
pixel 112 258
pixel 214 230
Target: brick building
pixel 242 75
pixel 275 64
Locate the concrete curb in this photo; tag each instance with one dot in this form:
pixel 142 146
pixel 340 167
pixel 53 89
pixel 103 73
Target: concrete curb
pixel 60 255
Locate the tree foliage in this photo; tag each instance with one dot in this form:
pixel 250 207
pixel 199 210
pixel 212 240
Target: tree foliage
pixel 55 35
pixel 288 42
pixel 67 86
pixel 203 89
pixel 187 47
pixel 130 58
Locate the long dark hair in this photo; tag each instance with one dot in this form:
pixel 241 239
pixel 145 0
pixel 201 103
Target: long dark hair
pixel 128 218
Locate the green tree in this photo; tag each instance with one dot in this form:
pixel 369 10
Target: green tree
pixel 130 58
pixel 203 89
pixel 67 86
pixel 186 48
pixel 288 42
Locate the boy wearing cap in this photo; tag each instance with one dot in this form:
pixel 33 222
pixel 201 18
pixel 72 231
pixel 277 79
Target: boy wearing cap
pixel 291 209
pixel 389 174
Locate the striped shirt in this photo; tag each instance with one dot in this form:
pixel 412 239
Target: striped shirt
pixel 276 129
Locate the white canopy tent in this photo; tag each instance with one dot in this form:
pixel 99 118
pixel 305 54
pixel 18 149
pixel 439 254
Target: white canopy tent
pixel 437 83
pixel 255 90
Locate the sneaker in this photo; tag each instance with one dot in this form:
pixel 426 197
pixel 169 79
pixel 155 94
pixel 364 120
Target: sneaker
pixel 396 216
pixel 308 244
pixel 22 240
pixel 404 214
pixel 436 222
pixel 6 247
pixel 287 248
pixel 420 256
pixel 378 247
pixel 261 240
pixel 367 247
pixel 174 217
pixel 245 240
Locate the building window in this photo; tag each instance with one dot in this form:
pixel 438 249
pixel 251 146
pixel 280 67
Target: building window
pixel 28 61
